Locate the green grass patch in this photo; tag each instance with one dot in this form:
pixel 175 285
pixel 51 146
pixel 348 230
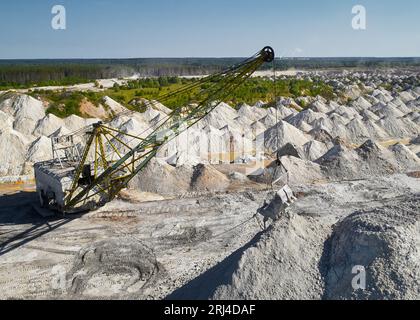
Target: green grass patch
pixel 63 104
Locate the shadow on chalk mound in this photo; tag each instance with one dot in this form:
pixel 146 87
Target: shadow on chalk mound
pixel 204 286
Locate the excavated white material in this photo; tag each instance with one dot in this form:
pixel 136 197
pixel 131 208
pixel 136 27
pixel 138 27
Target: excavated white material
pixel 339 128
pixel 13 146
pixel 292 171
pixel 6 121
pixel 135 127
pixel 367 114
pixel 269 120
pixel 361 104
pixel 281 111
pixel 74 122
pixel 39 150
pixel 411 126
pixel 307 115
pixel 377 107
pixel 22 106
pixel 386 240
pixel 352 91
pixel 48 125
pixel 401 106
pixel 375 131
pixel 152 114
pixel 314 150
pixel 62 131
pixel 311 251
pixel 340 162
pixel 357 131
pixel 227 134
pixel 389 110
pixel 412 115
pixel 277 136
pixel 115 107
pixel 323 123
pixel 406 159
pixel 26 111
pixel 304 126
pixel 257 128
pixel 394 127
pixel 307 254
pixel 301 171
pixel 406 96
pixel 252 113
pixel 382 95
pixel 160 107
pixel 346 112
pixel 417 120
pixel 150 179
pixel 320 107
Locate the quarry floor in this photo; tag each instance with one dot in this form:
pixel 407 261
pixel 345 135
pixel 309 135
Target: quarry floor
pixel 147 250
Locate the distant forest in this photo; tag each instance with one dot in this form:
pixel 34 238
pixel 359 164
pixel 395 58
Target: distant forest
pixel 20 73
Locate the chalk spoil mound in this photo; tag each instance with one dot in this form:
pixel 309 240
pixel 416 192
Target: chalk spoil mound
pixel 74 122
pixel 375 160
pixel 370 159
pixel 223 115
pixel 389 110
pixel 22 106
pixel 113 106
pixel 300 171
pixel 394 127
pixel 314 150
pixel 292 171
pixel 406 159
pixel 375 131
pixel 160 107
pixel 6 121
pixel 340 162
pixel 48 125
pixel 386 242
pixel 13 146
pixel 360 104
pixel 290 149
pixel 307 116
pixel 281 111
pixel 321 135
pixel 357 131
pixel 281 134
pixel 178 180
pixel 25 110
pixel 279 264
pixel 252 113
pixel 157 170
pixel 207 178
pixel 39 150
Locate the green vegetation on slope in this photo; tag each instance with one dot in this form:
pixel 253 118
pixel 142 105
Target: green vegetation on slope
pixel 64 103
pixel 251 91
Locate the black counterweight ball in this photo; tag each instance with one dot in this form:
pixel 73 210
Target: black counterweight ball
pixel 268 54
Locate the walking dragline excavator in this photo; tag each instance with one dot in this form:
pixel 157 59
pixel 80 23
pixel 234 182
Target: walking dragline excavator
pixel 91 166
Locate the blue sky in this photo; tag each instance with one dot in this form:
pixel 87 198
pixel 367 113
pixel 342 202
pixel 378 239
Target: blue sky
pixel 207 28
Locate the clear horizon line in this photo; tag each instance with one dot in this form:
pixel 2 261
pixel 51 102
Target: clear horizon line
pixel 225 57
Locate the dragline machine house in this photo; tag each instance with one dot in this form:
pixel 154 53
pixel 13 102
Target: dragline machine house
pixel 91 166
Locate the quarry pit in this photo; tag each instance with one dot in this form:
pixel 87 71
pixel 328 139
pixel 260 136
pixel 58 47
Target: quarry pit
pixel 352 164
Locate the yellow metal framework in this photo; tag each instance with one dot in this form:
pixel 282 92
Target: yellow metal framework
pixel 109 162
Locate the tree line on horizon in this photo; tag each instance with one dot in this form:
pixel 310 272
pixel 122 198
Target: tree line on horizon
pixel 25 73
